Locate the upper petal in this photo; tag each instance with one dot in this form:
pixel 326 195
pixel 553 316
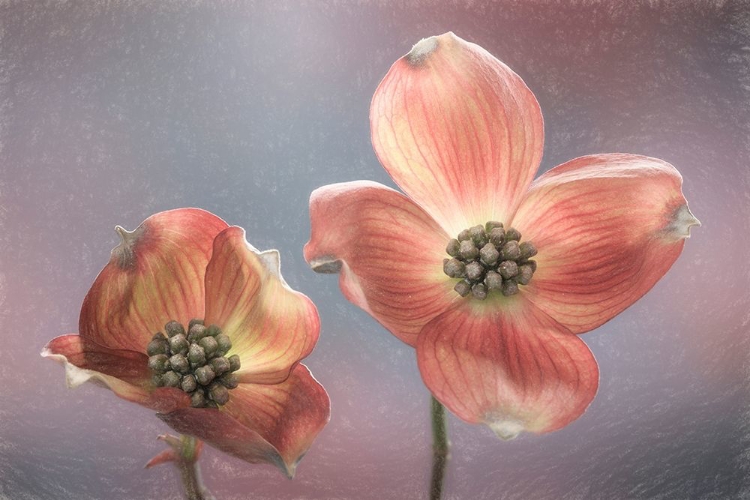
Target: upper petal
pixel 508 365
pixel 125 372
pixel 273 423
pixel 271 326
pixel 607 227
pixel 153 276
pixel 389 251
pixel 458 131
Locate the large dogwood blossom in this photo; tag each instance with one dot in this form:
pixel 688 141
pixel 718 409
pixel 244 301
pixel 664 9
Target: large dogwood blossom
pixel 187 264
pixel 462 136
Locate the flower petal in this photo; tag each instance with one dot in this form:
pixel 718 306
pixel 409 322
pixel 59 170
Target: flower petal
pixel 389 251
pixel 607 227
pixel 274 423
pixel 271 326
pixel 155 275
pixel 458 131
pixel 125 372
pixel 507 365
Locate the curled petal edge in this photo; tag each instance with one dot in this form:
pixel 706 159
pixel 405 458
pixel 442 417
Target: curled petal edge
pixel 160 399
pixel 245 439
pixel 272 326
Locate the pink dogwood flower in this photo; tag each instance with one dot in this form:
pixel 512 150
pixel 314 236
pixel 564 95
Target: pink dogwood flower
pixel 191 321
pixel 489 273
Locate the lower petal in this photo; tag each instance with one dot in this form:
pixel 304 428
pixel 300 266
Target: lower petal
pixel 388 250
pixel 126 373
pixel 273 424
pixel 607 228
pixel 508 365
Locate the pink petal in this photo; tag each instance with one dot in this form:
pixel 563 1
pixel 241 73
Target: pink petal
pixel 271 326
pixel 389 251
pixel 155 275
pixel 507 365
pixel 274 424
pixel 607 227
pixel 125 372
pixel 458 131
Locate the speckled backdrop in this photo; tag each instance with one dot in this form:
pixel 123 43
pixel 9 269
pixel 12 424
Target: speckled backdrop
pixel 111 111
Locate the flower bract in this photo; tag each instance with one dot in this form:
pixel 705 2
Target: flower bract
pixel 491 273
pixel 190 320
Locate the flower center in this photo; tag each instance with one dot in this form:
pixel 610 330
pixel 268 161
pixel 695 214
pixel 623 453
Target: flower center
pixel 488 258
pixel 195 362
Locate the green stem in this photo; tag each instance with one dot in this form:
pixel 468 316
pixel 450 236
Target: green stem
pixel 191 473
pixel 440 448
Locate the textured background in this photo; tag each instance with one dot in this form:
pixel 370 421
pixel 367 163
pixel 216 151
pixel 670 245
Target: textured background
pixel 111 111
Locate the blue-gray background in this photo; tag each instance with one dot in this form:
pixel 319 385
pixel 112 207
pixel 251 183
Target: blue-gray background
pixel 111 111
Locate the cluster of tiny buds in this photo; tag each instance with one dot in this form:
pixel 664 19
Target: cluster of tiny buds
pixel 195 362
pixel 488 258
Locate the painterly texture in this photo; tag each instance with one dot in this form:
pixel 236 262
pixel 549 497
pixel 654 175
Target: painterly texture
pixel 187 264
pixel 112 112
pixel 461 134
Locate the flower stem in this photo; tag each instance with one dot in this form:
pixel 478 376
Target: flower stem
pixel 190 471
pixel 440 448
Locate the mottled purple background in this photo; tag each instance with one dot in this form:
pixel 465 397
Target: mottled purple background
pixel 111 111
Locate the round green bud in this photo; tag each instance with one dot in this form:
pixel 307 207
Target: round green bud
pixel 224 344
pixel 179 363
pixel 492 225
pixel 218 393
pixel 219 365
pixel 209 345
pixel 174 328
pixel 454 268
pixel 234 362
pixel 508 269
pixel 229 380
pixel 478 236
pixel 198 399
pixel 159 363
pixel 193 322
pixel 464 235
pixel 528 250
pixel 462 288
pixel 497 236
pixel 510 251
pixel 213 330
pixel 489 254
pixel 189 384
pixel 171 379
pixel 157 346
pixel 179 344
pixel 204 375
pixel 468 251
pixel 197 332
pixel 156 380
pixel 453 247
pixel 493 281
pixel 479 291
pixel 196 355
pixel 474 271
pixel 512 234
pixel 524 274
pixel 510 287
